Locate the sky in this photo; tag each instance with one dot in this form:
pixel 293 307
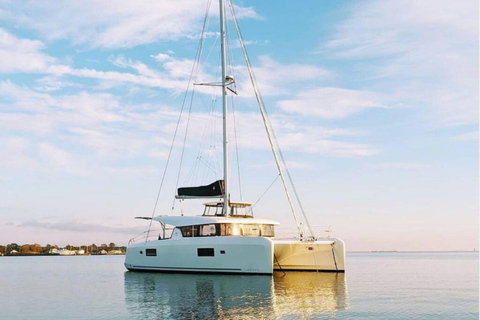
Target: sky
pixel 374 105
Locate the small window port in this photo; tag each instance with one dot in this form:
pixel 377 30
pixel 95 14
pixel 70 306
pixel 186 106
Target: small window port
pixel 151 252
pixel 205 252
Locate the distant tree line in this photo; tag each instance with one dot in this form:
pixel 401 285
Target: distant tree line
pixel 36 249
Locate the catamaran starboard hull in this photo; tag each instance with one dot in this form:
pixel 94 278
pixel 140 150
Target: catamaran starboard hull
pixel 320 255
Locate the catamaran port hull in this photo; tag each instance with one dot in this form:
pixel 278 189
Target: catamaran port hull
pixel 242 255
pixel 320 255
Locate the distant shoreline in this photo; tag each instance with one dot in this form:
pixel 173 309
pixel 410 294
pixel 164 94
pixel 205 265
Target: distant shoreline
pixel 408 251
pixel 83 255
pixel 58 255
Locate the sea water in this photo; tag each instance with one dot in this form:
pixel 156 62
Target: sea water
pixel 396 285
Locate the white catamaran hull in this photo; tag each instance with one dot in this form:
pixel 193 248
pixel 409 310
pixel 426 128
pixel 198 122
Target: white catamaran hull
pixel 252 255
pixel 320 255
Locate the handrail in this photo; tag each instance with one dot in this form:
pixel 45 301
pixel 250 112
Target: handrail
pixel 150 235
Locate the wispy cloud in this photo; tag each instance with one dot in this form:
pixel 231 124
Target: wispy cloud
pixel 275 78
pixel 61 160
pixel 76 226
pixel 331 103
pixel 112 24
pixel 422 53
pixel 469 136
pixel 62 129
pixel 294 135
pixel 16 154
pixel 22 55
pixel 400 165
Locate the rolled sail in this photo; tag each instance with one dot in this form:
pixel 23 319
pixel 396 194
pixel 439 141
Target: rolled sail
pixel 214 190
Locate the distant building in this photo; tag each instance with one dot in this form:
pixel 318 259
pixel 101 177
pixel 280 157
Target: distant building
pixel 116 252
pixel 65 252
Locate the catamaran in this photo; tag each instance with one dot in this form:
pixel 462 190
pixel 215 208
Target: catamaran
pixel 227 238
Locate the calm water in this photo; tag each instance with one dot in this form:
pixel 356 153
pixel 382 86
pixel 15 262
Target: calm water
pixel 376 286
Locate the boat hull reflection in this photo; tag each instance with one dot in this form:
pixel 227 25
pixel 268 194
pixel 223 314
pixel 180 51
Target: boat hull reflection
pixel 206 296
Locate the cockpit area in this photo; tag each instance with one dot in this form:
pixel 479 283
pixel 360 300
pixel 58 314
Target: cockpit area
pixel 235 209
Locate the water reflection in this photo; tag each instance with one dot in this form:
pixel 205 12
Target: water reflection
pixel 303 295
pixel 197 296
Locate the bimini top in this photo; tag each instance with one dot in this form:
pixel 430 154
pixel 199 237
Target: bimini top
pixel 182 221
pixel 213 190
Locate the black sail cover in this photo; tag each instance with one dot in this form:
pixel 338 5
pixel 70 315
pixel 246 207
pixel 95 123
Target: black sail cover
pixel 212 190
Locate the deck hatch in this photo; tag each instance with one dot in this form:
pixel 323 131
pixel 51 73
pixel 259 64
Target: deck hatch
pixel 151 252
pixel 205 252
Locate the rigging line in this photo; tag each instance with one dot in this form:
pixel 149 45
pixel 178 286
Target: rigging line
pixel 201 148
pixel 261 105
pixel 237 154
pixel 291 180
pixel 194 70
pixel 236 149
pixel 217 159
pixel 208 165
pixel 208 131
pixel 169 154
pixel 262 112
pixel 211 50
pixel 251 208
pixel 206 24
pixel 208 139
pixel 175 134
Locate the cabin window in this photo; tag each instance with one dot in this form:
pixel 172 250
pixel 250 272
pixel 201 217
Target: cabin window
pixel 208 230
pixel 249 229
pixel 205 252
pixel 186 231
pixel 196 231
pixel 268 230
pixel 227 229
pixel 151 252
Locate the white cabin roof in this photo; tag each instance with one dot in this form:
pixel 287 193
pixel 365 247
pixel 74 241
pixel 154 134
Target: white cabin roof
pixel 181 221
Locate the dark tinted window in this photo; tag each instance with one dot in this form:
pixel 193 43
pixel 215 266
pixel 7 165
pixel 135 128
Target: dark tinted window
pixel 205 252
pixel 151 252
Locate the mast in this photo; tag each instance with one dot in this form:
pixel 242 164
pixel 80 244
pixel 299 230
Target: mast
pixel 224 99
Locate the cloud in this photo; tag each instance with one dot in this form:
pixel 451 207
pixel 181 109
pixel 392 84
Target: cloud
pixel 290 165
pixel 61 160
pixel 75 226
pixel 299 137
pixel 60 130
pixel 401 165
pixel 16 153
pixel 331 103
pixel 275 79
pixel 22 55
pixel 26 56
pixel 112 24
pixel 421 53
pixel 469 136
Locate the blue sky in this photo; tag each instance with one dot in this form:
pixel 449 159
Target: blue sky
pixel 374 103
